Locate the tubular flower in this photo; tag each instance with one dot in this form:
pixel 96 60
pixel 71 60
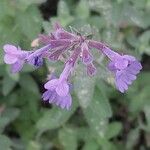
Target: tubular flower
pixel 124 67
pixel 58 89
pixel 15 57
pixel 56 45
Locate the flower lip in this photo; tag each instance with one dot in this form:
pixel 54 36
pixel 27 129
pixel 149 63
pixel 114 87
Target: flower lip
pixel 121 63
pixel 11 49
pixel 53 98
pixel 9 59
pixel 62 89
pixel 52 84
pixel 126 76
pixel 14 54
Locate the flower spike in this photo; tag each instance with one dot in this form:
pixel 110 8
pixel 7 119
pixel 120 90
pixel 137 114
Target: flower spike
pixel 124 67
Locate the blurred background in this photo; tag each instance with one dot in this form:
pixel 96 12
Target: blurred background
pixel 100 118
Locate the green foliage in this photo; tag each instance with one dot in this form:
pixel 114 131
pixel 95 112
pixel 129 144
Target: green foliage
pixel 100 118
pixel 5 142
pixel 68 138
pixel 54 118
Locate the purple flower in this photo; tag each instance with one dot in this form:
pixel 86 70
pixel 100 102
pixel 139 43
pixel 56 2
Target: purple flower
pixel 91 69
pixel 60 85
pixel 15 57
pixel 125 67
pixel 54 56
pixel 62 101
pixel 73 47
pixel 85 54
pixel 60 33
pixel 58 89
pixel 36 57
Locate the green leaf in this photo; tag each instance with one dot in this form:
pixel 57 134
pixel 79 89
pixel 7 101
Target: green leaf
pixel 138 94
pixel 147 114
pixel 100 98
pixel 103 7
pixel 144 44
pixel 68 138
pixel 55 118
pixel 28 83
pixel 5 143
pixel 23 5
pixel 97 21
pixel 139 100
pixel 97 114
pixel 13 76
pixel 7 116
pixel 82 10
pixel 133 15
pixel 63 10
pixel 27 68
pixel 34 145
pixel 8 85
pixel 29 22
pixel 9 33
pixel 3 122
pixel 117 14
pixel 11 113
pixel 47 26
pixel 6 8
pixel 83 133
pixel 132 138
pixel 113 129
pixel 83 87
pixel 91 145
pixel 107 145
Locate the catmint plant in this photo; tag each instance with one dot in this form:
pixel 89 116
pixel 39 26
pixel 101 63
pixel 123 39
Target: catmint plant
pixel 56 44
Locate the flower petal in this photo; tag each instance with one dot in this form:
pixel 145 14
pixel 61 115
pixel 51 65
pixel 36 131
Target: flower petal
pixel 122 81
pixel 65 102
pixel 46 95
pixel 51 85
pixel 9 59
pixel 111 66
pixel 53 98
pixel 16 67
pixel 121 86
pixel 136 65
pixel 10 49
pixel 121 63
pixel 62 89
pixel 128 57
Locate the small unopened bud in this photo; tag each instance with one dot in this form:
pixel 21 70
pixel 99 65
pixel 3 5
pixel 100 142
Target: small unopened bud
pixel 91 69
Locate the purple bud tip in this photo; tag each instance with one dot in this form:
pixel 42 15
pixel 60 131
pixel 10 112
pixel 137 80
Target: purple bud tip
pixel 91 69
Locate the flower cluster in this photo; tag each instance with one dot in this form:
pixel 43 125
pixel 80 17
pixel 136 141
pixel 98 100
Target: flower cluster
pixel 124 67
